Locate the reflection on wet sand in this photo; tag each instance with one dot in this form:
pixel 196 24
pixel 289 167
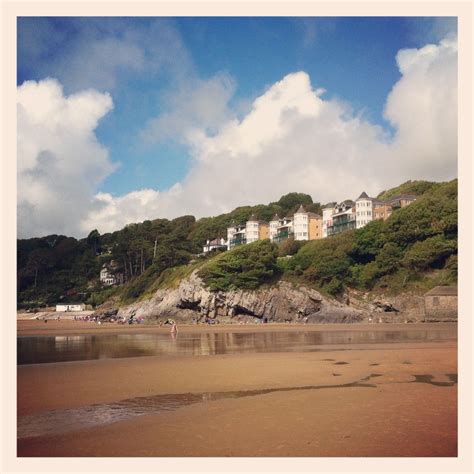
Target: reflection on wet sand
pixel 60 421
pixel 43 349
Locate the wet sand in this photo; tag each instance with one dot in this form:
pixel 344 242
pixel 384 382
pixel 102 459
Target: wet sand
pixel 368 401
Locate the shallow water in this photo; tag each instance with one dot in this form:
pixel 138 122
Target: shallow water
pixel 45 349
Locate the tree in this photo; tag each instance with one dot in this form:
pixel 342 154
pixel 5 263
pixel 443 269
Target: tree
pixel 93 240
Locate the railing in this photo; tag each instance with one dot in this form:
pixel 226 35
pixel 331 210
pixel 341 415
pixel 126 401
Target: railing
pixel 239 241
pixel 281 236
pixel 339 227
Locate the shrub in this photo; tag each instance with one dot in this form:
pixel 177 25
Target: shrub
pixel 430 253
pixel 244 267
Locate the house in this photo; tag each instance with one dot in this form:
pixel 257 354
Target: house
pixel 256 229
pixel 381 210
pixel 369 209
pixel 236 235
pixel 70 307
pixel 109 275
pixel 328 211
pixel 401 200
pixel 307 225
pixel 215 244
pixel 343 218
pixel 284 230
pixel 253 230
pixel 273 227
pixel 441 303
pixel 364 210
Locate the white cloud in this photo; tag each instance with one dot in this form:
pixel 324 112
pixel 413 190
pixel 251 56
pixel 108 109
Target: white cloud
pixel 195 104
pixel 60 162
pixel 423 108
pixel 292 139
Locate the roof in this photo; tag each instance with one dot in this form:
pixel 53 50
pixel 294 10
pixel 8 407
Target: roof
pixel 276 217
pixel 443 291
pixel 253 218
pixel 349 202
pixel 363 196
pixel 300 210
pixel 313 214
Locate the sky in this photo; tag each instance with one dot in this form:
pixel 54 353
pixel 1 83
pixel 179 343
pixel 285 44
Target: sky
pixel 126 119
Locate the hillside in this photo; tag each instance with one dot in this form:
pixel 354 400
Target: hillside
pixel 416 249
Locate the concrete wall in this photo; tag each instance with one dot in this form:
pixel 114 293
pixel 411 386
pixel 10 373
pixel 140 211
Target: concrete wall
pixel 441 307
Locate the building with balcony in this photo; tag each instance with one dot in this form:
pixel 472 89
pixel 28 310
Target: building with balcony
pixel 343 218
pixel 284 230
pixel 256 229
pixel 109 274
pixel 307 225
pixel 215 244
pixel 328 211
pixel 236 235
pixel 369 209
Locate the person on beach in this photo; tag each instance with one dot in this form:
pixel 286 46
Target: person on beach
pixel 174 328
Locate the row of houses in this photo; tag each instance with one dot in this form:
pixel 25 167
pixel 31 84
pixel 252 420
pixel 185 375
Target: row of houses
pixel 303 225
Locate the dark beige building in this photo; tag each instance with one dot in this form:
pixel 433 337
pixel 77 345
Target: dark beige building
pixel 441 303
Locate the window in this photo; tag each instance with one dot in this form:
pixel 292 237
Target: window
pixel 435 301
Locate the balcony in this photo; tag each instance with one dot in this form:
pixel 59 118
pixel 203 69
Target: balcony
pixel 281 236
pixel 238 241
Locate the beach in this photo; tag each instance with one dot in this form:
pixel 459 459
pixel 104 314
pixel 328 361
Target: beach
pixel 379 399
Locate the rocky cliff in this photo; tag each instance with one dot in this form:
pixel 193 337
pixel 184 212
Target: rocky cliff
pixel 279 303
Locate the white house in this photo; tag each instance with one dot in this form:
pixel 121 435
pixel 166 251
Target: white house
pixel 108 276
pixel 236 235
pixel 364 210
pixel 71 307
pixel 251 229
pixel 214 244
pixel 273 229
pixel 328 211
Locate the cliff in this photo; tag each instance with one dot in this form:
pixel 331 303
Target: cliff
pixel 282 302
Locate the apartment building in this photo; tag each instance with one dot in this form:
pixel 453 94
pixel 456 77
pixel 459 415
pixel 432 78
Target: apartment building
pixel 303 225
pixel 307 225
pixel 369 209
pixel 328 211
pixel 343 218
pixel 236 235
pixel 283 229
pixel 247 233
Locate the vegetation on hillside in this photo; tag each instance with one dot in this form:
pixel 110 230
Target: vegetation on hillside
pixel 415 241
pixel 245 267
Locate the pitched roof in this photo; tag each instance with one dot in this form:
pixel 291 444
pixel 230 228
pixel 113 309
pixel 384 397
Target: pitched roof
pixel 276 217
pixel 253 218
pixel 363 196
pixel 300 210
pixel 443 291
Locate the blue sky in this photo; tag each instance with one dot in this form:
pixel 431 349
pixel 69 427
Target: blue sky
pixel 151 67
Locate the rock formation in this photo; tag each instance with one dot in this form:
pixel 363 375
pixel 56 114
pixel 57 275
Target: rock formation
pixel 279 303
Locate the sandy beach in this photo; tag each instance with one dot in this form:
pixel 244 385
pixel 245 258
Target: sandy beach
pixel 397 399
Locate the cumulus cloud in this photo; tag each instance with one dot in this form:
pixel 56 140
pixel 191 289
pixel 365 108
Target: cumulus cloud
pixel 291 139
pixel 60 162
pixel 294 139
pixel 196 105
